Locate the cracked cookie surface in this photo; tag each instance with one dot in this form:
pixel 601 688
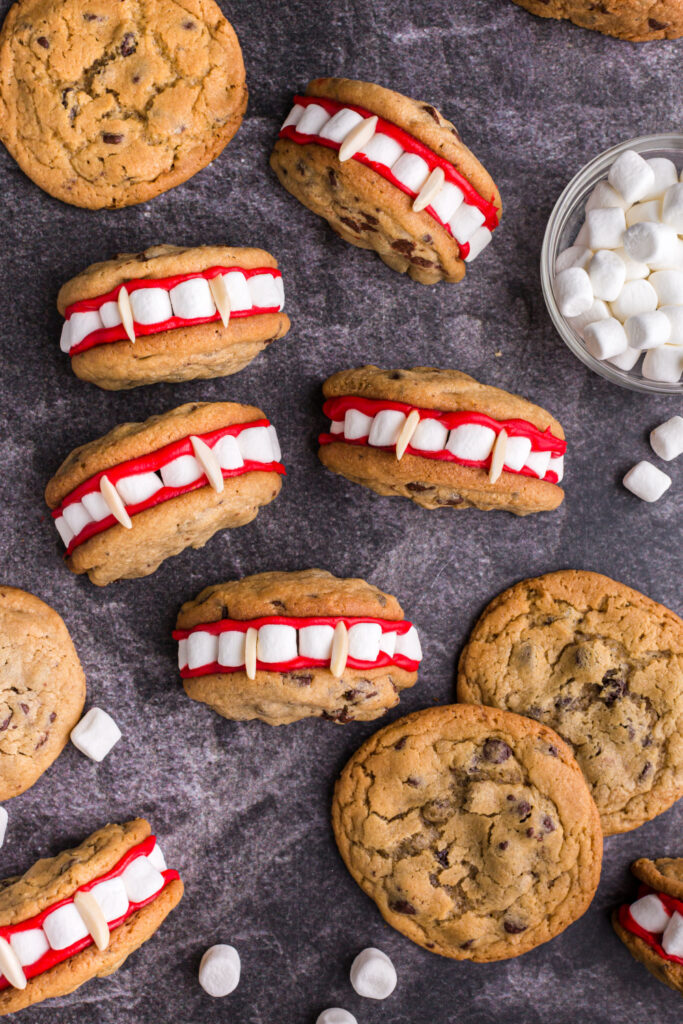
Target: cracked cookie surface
pixel 637 20
pixel 472 829
pixel 603 665
pixel 105 105
pixel 42 689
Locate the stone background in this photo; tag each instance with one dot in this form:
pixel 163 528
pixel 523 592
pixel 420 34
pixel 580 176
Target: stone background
pixel 242 809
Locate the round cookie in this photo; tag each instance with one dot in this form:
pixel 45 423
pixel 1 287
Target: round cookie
pixel 184 351
pixel 603 666
pixel 435 479
pixel 472 829
pixel 367 205
pixel 42 689
pixel 636 20
pixel 302 685
pixel 105 105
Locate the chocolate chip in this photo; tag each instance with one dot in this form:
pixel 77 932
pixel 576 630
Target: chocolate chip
pixel 352 224
pixel 420 261
pixel 451 502
pixel 504 845
pixel 332 176
pixel 510 796
pixel 413 782
pixel 42 741
pixel 612 688
pixel 129 44
pixel 530 832
pixel 402 907
pixel 657 25
pixel 24 708
pixel 442 857
pixel 647 768
pixel 370 219
pixel 299 678
pixel 514 927
pixel 3 725
pixel 416 488
pixel 42 41
pixel 53 716
pixel 89 17
pixel 135 79
pixel 403 245
pixel 553 751
pixel 187 24
pixel 524 809
pixel 432 111
pixel 548 823
pixel 496 751
pixel 401 743
pixel 111 139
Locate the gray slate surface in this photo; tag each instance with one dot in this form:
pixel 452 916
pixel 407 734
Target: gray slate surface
pixel 242 809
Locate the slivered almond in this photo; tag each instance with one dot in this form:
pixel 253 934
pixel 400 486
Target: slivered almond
pixel 10 966
pixel 407 431
pixel 340 650
pixel 219 292
pixel 114 503
pixel 498 456
pixel 209 463
pixel 93 918
pixel 429 190
pixel 250 642
pixel 359 135
pixel 126 313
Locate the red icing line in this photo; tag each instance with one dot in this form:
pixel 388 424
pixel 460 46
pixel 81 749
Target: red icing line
pixel 57 956
pixel 627 922
pixel 118 333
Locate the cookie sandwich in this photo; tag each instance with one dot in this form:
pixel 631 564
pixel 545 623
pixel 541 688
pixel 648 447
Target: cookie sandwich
pixel 146 491
pixel 105 105
pixel 626 19
pixel 442 439
pixel 282 646
pixel 603 666
pixel 42 689
pixel 388 173
pixel 651 927
pixel 472 829
pixel 171 314
pixel 78 915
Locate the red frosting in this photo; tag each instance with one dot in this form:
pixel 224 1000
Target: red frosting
pixel 152 463
pixel 541 441
pixel 242 625
pixel 57 956
pixel 118 333
pixel 627 922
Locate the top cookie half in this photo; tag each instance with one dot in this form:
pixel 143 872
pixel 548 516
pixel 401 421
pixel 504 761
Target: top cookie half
pixel 106 105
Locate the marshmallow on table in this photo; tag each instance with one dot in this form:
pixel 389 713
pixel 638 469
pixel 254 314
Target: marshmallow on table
pixel 647 330
pixel 3 824
pixel 605 339
pixel 573 291
pixel 672 939
pixel 635 297
pixel 372 974
pixel 95 734
pixel 219 970
pixel 650 913
pixel 605 228
pixel 631 176
pixel 646 481
pixel 335 1015
pixel 607 273
pixel 666 440
pixel 664 364
pixel 672 207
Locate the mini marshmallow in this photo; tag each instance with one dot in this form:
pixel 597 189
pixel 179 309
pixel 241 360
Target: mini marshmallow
pixel 387 643
pixel 372 974
pixel 574 256
pixel 672 939
pixel 669 286
pixel 538 463
pixel 603 196
pixel 3 824
pixel 382 149
pixel 254 444
pixel 83 324
pixel 141 880
pixel 672 259
pixel 465 224
pixel 634 268
pixel 96 506
pixel 651 243
pixel 239 295
pixel 430 436
pixel 448 199
pixel 598 311
pixel 340 124
pixel 276 643
pixel 227 451
pixel 109 311
pixel 192 299
pixel 667 439
pixel 635 297
pixel 665 175
pixel 573 291
pixel 138 487
pixel 112 898
pixel 386 426
pixel 315 642
pixel 181 471
pixel 335 1015
pixel 605 228
pixel 263 291
pixel 626 360
pixel 650 913
pixel 605 338
pixel 96 734
pixel 356 425
pixel 672 207
pixel 364 641
pixel 156 858
pixel 664 364
pixel 77 516
pixel 219 970
pixel 643 211
pixel 517 451
pixel 471 442
pixel 29 946
pixel 411 170
pixel 646 481
pixel 202 648
pixel 150 305
pixel 631 176
pixel 477 243
pixel 674 315
pixel 64 926
pixel 647 330
pixel 312 119
pixel 408 644
pixel 231 648
pixel 607 273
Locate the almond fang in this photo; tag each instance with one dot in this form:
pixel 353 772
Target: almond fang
pixel 250 642
pixel 114 503
pixel 209 463
pixel 407 431
pixel 93 918
pixel 10 966
pixel 126 313
pixel 219 293
pixel 498 457
pixel 340 650
pixel 359 135
pixel 429 190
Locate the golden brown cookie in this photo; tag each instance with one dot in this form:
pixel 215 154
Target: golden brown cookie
pixel 472 829
pixel 601 664
pixel 442 439
pixel 108 104
pixel 388 173
pixel 282 646
pixel 42 689
pixel 146 491
pixel 637 20
pixel 47 950
pixel 171 314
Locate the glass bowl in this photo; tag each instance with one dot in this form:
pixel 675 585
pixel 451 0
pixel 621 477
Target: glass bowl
pixel 563 226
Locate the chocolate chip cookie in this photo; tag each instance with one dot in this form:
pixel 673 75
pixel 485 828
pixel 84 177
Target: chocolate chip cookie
pixel 109 104
pixel 42 689
pixel 601 664
pixel 651 927
pixel 636 20
pixel 472 829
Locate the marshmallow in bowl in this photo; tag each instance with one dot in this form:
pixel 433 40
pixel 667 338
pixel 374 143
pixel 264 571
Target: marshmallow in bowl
pixel 666 440
pixel 219 970
pixel 631 176
pixel 605 338
pixel 647 482
pixel 372 974
pixel 664 364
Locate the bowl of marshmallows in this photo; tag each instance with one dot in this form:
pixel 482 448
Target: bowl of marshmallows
pixel 612 264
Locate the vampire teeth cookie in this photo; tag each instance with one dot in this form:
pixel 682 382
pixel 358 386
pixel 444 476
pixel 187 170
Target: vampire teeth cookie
pixel 80 914
pixel 110 106
pixel 388 173
pixel 626 19
pixel 472 829
pixel 146 491
pixel 651 927
pixel 42 689
pixel 282 646
pixel 171 314
pixel 442 439
pixel 603 666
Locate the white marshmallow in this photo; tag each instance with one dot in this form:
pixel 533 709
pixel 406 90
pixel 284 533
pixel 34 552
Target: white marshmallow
pixel 408 644
pixel 646 481
pixel 387 643
pixel 650 913
pixel 669 286
pixel 471 441
pixel 430 436
pixel 448 199
pixel 651 243
pixel 219 970
pixel 634 268
pixel 631 176
pixel 254 444
pixel 373 975
pixel 364 641
pixel 312 119
pixel 96 506
pixel 181 472
pixel 603 196
pixel 29 946
pixel 667 439
pixel 582 237
pixel 356 424
pixel 264 292
pixel 465 223
pixel 139 487
pixel 150 305
pixel 83 324
pixel 386 426
pixel 411 170
pixel 65 337
pixel 156 858
pixel 556 465
pixel 96 734
pixel 77 516
pixel 664 364
pixel 315 642
pixel 111 316
pixel 227 451
pixel 335 1015
pixel 64 531
pixel 607 273
pixel 672 939
pixel 647 330
pixel 605 228
pixel 192 299
pixel 635 297
pixel 665 175
pixel 239 295
pixel 231 648
pixel 477 243
pixel 538 463
pixel 3 824
pixel 141 880
pixel 626 360
pixel 274 443
pixel 672 207
pixel 672 259
pixel 643 211
pixel 64 926
pixel 340 124
pixel 276 643
pixel 202 648
pixel 517 451
pixel 112 898
pixel 674 314
pixel 598 311
pixel 182 653
pixel 573 291
pixel 574 256
pixel 294 116
pixel 605 338
pixel 382 149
